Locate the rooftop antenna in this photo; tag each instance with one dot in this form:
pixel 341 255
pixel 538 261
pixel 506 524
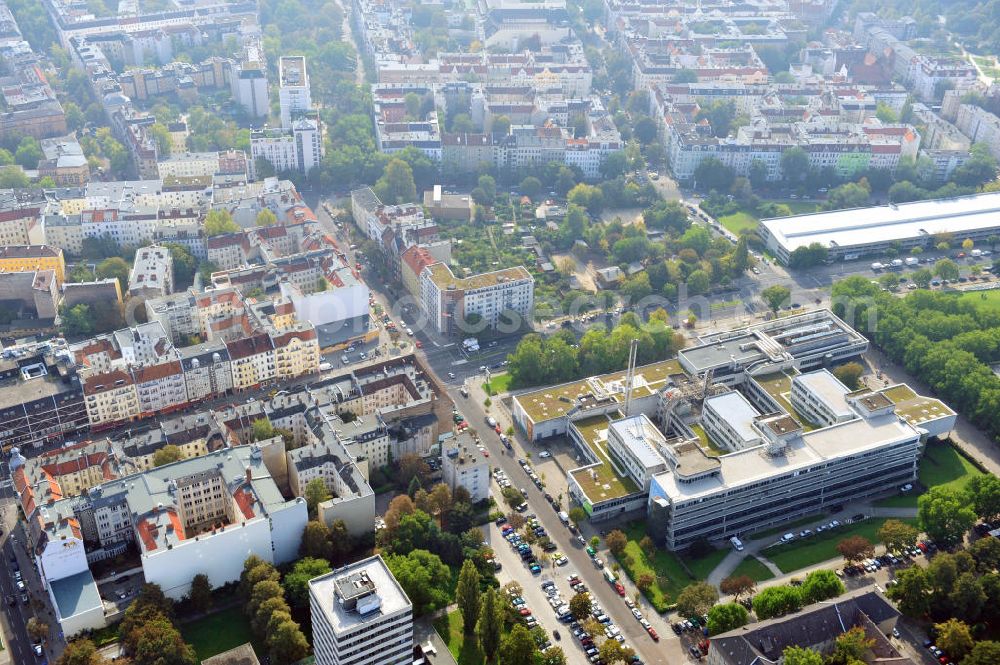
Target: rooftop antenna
pixel 633 352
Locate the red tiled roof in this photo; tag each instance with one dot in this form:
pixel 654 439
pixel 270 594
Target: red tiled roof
pixel 158 371
pixel 249 346
pixel 108 381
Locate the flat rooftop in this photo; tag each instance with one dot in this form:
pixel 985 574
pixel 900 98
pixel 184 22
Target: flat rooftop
pixel 600 483
pixel 14 392
pixel 76 594
pixel 324 590
pixel 848 228
pixel 292 70
pixel 443 277
pixel 828 389
pixel 640 435
pixel 701 358
pixel 738 412
pixel 779 386
pixel 914 408
pixel 754 464
pixel 556 401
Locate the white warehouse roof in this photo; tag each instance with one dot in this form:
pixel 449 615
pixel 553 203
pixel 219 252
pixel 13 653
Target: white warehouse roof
pixel 879 224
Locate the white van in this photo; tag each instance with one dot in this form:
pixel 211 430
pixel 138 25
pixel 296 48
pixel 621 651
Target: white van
pixel 737 544
pixel 563 517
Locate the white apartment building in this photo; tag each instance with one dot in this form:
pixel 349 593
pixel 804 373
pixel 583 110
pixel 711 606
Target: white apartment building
pixel 821 398
pixel 449 302
pixel 160 387
pixel 361 616
pixel 152 273
pixel 295 148
pixel 110 397
pixel 464 465
pixel 294 97
pixel 727 419
pixel 188 165
pixel 252 361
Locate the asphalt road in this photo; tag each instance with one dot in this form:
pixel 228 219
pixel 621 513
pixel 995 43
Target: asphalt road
pixel 668 649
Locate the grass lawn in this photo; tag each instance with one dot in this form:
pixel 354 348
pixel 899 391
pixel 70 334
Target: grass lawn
pixel 801 207
pixel 821 547
pixel 449 627
pixel 218 632
pixel 983 299
pixel 738 221
pixel 666 566
pixel 754 569
pixel 499 383
pixel 941 466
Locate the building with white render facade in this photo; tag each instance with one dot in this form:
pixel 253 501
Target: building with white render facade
pixel 493 298
pixel 294 97
pixel 463 464
pixel 361 616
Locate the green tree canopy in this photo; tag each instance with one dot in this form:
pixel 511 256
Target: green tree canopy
pixel 776 601
pixel 424 578
pixel 726 617
pixel 218 222
pixel 945 515
pixel 296 581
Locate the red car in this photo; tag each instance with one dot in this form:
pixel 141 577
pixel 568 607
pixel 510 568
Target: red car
pixel 497 428
pixel 525 612
pixel 652 633
pixel 620 589
pixel 419 344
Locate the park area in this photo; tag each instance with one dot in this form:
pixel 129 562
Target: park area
pixel 450 627
pixel 671 573
pixel 498 384
pixel 752 568
pixel 221 631
pixel 820 547
pixel 941 466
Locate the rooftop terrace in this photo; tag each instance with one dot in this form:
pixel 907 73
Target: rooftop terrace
pixel 600 483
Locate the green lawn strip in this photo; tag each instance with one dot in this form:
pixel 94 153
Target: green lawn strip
pixel 983 299
pixel 738 221
pixel 499 383
pixel 665 566
pixel 815 549
pixel 785 528
pixel 449 627
pixel 218 632
pixel 752 568
pixel 941 466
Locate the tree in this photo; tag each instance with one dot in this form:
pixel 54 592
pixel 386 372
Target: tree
pixel 809 256
pixel 37 629
pixel 794 164
pixel 200 595
pixel 851 646
pixel 577 515
pixel 28 154
pixel 81 652
pixel 296 581
pixel 912 592
pixel 424 578
pixel 218 222
pixel 13 177
pixel 897 535
pixel 553 656
pixel 531 187
pixel 316 493
pixel 775 601
pixel 801 656
pixel 855 548
pixel 922 277
pixel 396 184
pixel 737 585
pixel 613 652
pixel 984 491
pixel 518 647
pixel 114 267
pixel 158 641
pixel 776 296
pixel 261 593
pixel 944 515
pixel 726 617
pixel 741 256
pixel 955 638
pixel 265 611
pixel 467 595
pixel 946 269
pixel 696 599
pixel 850 195
pixel 286 642
pixel 713 174
pixel 983 653
pixel 266 218
pixel 315 540
pixel 167 455
pixel 821 585
pixel 698 282
pixel 501 125
pixel 616 541
pixel 411 466
pixel 580 605
pixel 490 624
pixel 647 546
